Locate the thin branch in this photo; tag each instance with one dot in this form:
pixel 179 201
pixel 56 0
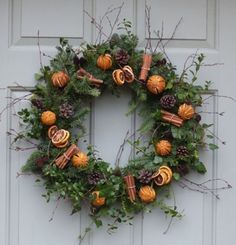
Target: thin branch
pixel 148 27
pixel 220 96
pixel 202 188
pixel 54 210
pixel 40 52
pixel 116 19
pixel 174 32
pixel 189 62
pixel 121 149
pixel 12 103
pixel 215 136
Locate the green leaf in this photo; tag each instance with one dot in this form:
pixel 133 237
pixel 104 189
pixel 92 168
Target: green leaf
pixel 38 76
pixel 213 147
pixel 200 167
pixel 98 222
pixel 157 159
pixel 176 176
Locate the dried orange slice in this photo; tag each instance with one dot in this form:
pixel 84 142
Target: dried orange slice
pixel 59 136
pixel 160 178
pixel 168 172
pixel 62 145
pixel 128 73
pixel 52 130
pixel 67 136
pixel 118 77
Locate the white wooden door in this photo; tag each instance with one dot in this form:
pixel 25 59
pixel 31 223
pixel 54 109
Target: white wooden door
pixel 207 25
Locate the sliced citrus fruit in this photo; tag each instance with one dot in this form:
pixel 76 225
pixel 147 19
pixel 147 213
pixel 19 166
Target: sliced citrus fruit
pixel 168 172
pixel 62 145
pixel 59 136
pixel 52 130
pixel 66 137
pixel 160 178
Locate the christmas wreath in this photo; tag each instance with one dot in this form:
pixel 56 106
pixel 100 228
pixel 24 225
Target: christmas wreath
pixel 166 101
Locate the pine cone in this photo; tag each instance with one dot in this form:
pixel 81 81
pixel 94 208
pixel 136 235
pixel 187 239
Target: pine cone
pixel 145 176
pixel 182 169
pixel 161 62
pixel 182 151
pixel 41 161
pixel 168 101
pixel 94 178
pixel 121 57
pixel 66 110
pixel 37 103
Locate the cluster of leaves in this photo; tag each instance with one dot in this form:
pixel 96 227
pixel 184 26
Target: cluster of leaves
pixel 71 182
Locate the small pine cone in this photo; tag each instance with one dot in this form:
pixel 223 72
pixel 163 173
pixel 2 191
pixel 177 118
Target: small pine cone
pixel 145 176
pixel 37 103
pixel 94 178
pixel 66 110
pixel 182 169
pixel 122 57
pixel 182 151
pixel 168 101
pixel 161 62
pixel 40 162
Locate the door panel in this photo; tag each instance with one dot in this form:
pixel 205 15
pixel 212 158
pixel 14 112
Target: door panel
pixel 205 26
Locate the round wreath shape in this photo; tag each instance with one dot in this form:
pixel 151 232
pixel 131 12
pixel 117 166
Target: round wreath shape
pixel 167 102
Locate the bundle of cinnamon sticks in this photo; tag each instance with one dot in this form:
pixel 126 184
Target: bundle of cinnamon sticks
pixel 130 186
pixel 172 118
pixel 62 160
pixel 147 61
pixel 81 73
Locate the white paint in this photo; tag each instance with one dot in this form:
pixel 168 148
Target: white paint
pixel 24 214
pixel 51 17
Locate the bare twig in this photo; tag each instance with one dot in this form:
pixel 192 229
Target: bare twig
pixel 54 210
pixel 121 149
pixel 148 26
pixel 173 33
pixel 189 62
pixel 203 188
pixel 40 52
pixel 12 103
pixel 215 136
pixel 220 96
pixel 116 19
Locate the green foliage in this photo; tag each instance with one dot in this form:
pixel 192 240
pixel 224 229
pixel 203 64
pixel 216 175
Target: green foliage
pixel 72 183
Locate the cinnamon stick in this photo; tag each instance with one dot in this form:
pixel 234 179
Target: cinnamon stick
pixel 147 60
pixel 130 186
pixel 62 160
pixel 172 118
pixel 81 73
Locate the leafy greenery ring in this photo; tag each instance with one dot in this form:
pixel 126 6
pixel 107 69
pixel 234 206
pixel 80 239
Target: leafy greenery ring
pixel 166 101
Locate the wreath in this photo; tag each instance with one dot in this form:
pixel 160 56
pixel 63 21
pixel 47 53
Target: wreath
pixel 166 101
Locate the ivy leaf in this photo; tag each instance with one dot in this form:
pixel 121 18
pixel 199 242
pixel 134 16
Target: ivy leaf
pixel 98 222
pixel 157 159
pixel 213 147
pixel 200 167
pixel 176 176
pixel 38 76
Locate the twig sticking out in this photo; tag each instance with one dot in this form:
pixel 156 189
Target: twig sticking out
pixel 203 188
